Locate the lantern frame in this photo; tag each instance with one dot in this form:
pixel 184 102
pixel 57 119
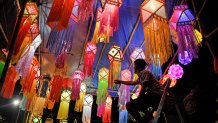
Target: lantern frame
pixel 115 53
pixel 31 11
pixel 103 74
pixel 137 53
pixel 78 75
pixel 74 14
pixel 112 2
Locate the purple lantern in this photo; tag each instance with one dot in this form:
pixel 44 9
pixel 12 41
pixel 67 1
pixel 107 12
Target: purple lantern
pixel 175 71
pixel 185 58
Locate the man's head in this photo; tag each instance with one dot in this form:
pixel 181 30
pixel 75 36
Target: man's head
pixel 139 65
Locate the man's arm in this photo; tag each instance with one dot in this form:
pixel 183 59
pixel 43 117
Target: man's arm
pixel 126 82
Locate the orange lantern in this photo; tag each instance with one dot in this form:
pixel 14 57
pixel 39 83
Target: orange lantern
pixel 156 31
pixel 31 11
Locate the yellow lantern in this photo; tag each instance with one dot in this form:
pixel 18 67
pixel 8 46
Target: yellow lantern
pixel 79 102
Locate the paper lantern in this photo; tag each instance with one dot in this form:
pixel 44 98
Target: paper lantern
pixel 107 113
pixel 96 36
pixel 64 105
pixel 102 90
pixel 175 71
pixel 115 56
pixel 87 108
pixel 89 58
pixel 77 77
pixel 156 31
pixel 31 11
pixel 181 21
pixel 79 102
pixel 35 118
pixel 56 87
pixel 164 79
pixel 137 53
pixel 8 86
pixel 37 105
pixel 59 62
pixel 60 13
pixel 110 17
pixel 185 59
pixel 85 9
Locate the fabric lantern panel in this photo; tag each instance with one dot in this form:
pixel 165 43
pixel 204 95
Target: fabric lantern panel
pixel 85 9
pixel 110 17
pixel 87 108
pixel 77 77
pixel 175 71
pixel 60 13
pixel 185 59
pixel 137 53
pixel 107 113
pixel 164 79
pixel 103 75
pixel 56 87
pixel 89 58
pixel 156 31
pixel 181 21
pixel 115 56
pixel 64 105
pixel 79 102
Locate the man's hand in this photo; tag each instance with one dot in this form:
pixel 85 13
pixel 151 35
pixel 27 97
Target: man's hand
pixel 117 81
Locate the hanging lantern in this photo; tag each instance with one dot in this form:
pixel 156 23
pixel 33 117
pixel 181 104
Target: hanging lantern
pixel 156 70
pixel 64 105
pixel 102 90
pixel 60 13
pixel 31 11
pixel 44 85
pixel 59 62
pixel 164 79
pixel 66 83
pixel 124 92
pixel 185 59
pixel 115 56
pixel 198 36
pixel 56 87
pixel 107 113
pixel 37 105
pixel 85 9
pixel 89 58
pixel 8 86
pixel 175 71
pixel 137 53
pixel 79 102
pixel 87 108
pixel 110 17
pixel 156 31
pixel 77 77
pixel 75 13
pixel 181 21
pixel 35 118
pixel 96 36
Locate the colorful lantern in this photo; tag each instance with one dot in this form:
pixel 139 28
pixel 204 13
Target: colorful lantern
pixel 79 102
pixel 123 116
pixel 87 108
pixel 35 118
pixel 124 92
pixel 77 77
pixel 102 90
pixel 31 11
pixel 181 22
pixel 115 56
pixel 89 58
pixel 175 71
pixel 44 85
pixel 96 36
pixel 59 62
pixel 156 69
pixel 11 78
pixel 56 87
pixel 156 31
pixel 164 79
pixel 60 13
pixel 137 53
pixel 110 17
pixel 37 105
pixel 64 105
pixel 185 59
pixel 85 9
pixel 107 113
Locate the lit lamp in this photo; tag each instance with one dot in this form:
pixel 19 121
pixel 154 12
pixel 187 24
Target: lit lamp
pixel 181 21
pixel 137 53
pixel 79 102
pixel 110 17
pixel 175 71
pixel 64 105
pixel 77 77
pixel 89 58
pixel 87 108
pixel 156 31
pixel 185 59
pixel 115 56
pixel 31 11
pixel 103 75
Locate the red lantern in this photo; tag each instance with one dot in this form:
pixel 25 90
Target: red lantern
pixel 85 9
pixel 31 11
pixel 89 57
pixel 75 14
pixel 77 77
pixel 56 87
pixel 115 56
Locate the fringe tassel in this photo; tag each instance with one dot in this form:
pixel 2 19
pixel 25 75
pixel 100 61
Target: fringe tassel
pixel 87 108
pixel 107 113
pixel 56 87
pixel 123 116
pixel 114 72
pixel 75 89
pixel 85 9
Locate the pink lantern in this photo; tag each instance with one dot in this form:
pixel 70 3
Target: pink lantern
pixel 175 71
pixel 137 53
pixel 185 58
pixel 164 79
pixel 77 77
pixel 89 58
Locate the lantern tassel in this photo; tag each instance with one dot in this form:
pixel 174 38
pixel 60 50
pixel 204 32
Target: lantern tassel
pixel 76 89
pixel 123 116
pixel 85 9
pixel 56 87
pixel 79 103
pixel 114 73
